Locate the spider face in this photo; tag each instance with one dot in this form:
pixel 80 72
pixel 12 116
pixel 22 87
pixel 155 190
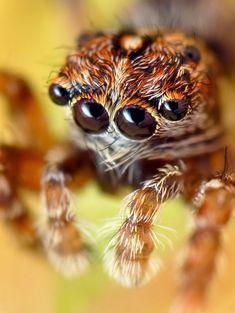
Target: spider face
pixel 142 93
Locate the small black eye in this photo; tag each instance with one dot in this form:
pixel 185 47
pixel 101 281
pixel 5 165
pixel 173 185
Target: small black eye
pixel 174 110
pixel 135 122
pixel 192 54
pixel 90 116
pixel 58 94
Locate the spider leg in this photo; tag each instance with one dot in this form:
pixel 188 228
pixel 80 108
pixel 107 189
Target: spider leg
pixel 127 257
pixel 19 168
pixel 23 166
pixel 214 206
pixel 26 112
pixel 16 214
pixel 62 235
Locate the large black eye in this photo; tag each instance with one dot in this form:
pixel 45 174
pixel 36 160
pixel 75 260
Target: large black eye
pixel 174 110
pixel 58 94
pixel 135 122
pixel 90 115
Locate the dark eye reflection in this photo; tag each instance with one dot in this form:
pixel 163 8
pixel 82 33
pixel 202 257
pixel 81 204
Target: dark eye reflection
pixel 135 122
pixel 90 116
pixel 58 94
pixel 174 110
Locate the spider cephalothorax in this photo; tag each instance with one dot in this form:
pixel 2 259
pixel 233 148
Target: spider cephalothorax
pixel 143 105
pixel 149 93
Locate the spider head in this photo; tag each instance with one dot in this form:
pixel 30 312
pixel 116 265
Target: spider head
pixel 139 92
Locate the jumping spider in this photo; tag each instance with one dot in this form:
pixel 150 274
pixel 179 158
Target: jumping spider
pixel 143 109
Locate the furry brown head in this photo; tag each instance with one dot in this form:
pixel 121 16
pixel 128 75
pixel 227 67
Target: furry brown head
pixel 141 95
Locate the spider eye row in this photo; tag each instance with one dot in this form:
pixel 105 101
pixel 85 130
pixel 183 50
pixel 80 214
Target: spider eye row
pixel 132 121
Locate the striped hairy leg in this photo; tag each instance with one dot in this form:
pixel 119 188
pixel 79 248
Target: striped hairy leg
pixel 128 256
pixel 63 236
pixel 213 204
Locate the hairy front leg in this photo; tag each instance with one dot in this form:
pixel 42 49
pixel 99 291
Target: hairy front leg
pixel 63 237
pixel 128 256
pixel 214 206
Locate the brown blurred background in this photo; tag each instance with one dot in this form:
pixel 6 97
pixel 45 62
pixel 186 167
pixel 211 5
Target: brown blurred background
pixel 35 36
